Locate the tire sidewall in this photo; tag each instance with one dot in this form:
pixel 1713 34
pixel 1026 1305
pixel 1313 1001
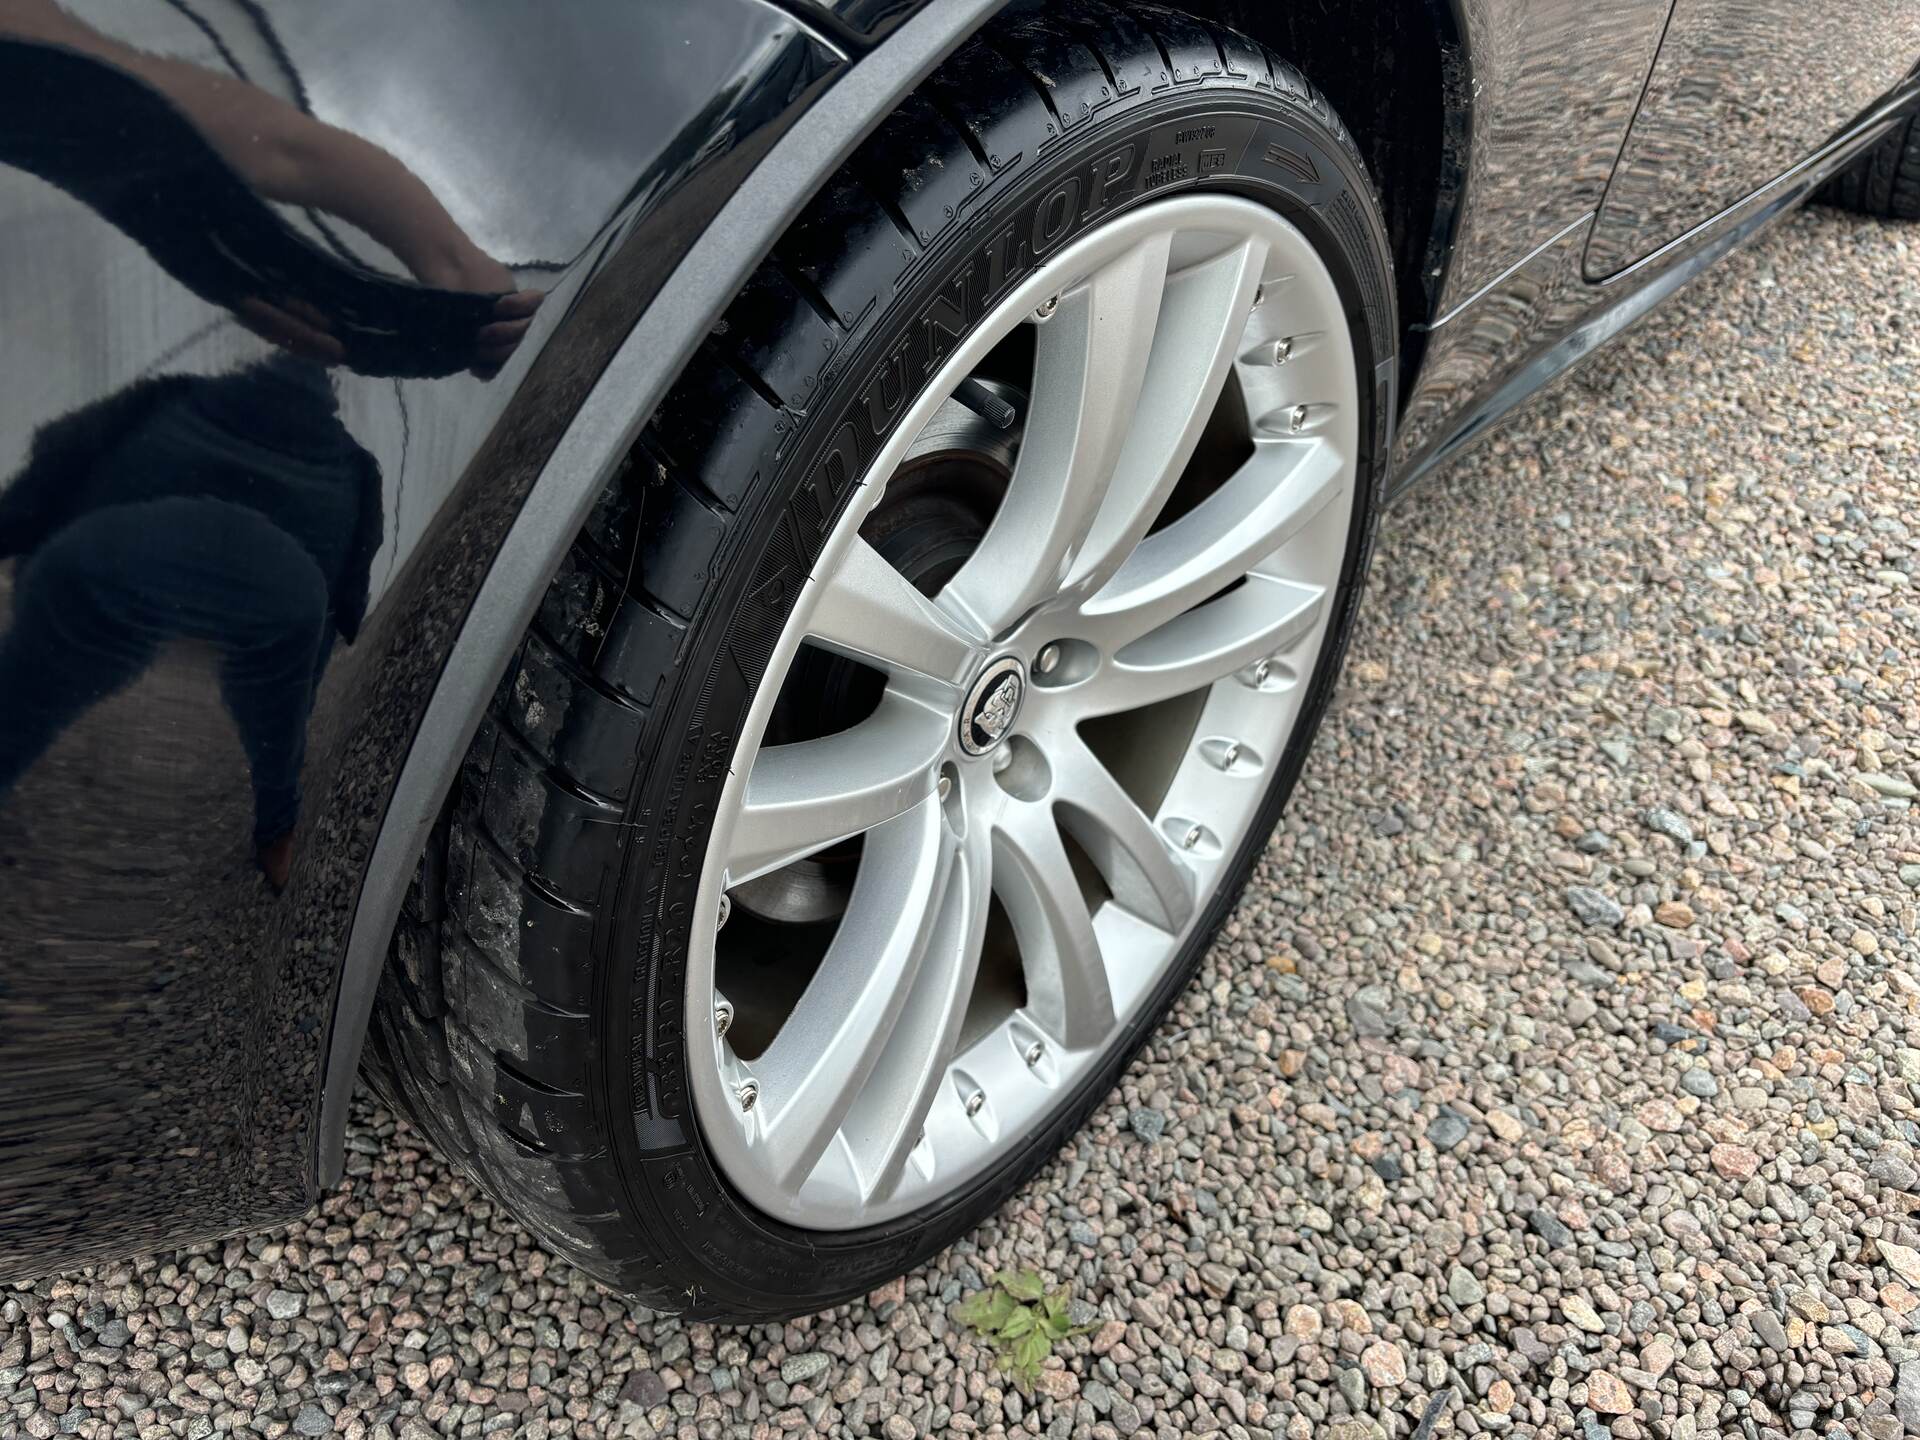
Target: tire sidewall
pixel 1263 144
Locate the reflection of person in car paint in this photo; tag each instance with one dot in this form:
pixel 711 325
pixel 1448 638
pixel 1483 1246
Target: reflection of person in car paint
pixel 282 154
pixel 235 511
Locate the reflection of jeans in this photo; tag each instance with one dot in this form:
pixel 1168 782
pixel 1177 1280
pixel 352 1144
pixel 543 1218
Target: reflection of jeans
pixel 93 605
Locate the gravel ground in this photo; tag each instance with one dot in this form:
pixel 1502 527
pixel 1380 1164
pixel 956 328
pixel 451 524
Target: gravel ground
pixel 1557 1075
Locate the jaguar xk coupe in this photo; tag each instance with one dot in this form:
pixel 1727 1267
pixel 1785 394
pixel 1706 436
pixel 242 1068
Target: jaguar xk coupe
pixel 720 598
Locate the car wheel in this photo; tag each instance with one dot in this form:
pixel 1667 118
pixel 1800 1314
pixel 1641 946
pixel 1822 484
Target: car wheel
pixel 907 719
pixel 1885 181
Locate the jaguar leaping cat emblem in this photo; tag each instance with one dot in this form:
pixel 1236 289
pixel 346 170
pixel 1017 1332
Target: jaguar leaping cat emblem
pixel 996 710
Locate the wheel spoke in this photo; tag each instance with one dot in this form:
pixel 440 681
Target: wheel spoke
pixel 813 1072
pixel 1262 618
pixel 886 1119
pixel 1202 324
pixel 1067 991
pixel 1091 358
pixel 870 611
pixel 810 794
pixel 1134 858
pixel 1268 501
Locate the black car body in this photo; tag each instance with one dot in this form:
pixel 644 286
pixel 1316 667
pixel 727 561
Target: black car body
pixel 178 1042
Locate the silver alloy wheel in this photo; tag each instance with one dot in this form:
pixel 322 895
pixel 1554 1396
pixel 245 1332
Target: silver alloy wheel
pixel 871 1099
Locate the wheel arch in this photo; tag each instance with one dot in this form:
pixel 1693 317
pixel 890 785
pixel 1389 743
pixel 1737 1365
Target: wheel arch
pixel 591 447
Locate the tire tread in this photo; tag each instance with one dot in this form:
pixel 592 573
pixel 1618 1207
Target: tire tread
pixel 1885 181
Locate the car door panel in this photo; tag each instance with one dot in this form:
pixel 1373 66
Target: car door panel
pixel 1742 91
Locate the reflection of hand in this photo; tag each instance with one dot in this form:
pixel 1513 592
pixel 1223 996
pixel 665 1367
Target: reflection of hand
pixel 292 325
pixel 304 329
pixel 467 267
pixel 472 269
pixel 496 342
pixel 290 157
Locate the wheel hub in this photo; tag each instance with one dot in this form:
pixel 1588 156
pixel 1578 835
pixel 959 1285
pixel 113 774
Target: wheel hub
pixel 992 705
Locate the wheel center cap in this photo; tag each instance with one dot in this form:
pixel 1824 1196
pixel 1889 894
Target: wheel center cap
pixel 991 705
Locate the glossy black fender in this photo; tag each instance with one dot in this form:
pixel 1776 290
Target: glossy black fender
pixel 169 1025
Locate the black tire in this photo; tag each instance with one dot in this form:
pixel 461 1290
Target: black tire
pixel 507 1029
pixel 1884 182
